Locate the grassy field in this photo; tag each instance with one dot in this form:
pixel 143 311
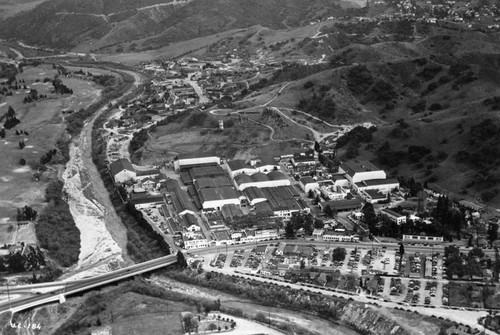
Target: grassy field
pixel 11 234
pixel 241 138
pixel 12 7
pixel 44 123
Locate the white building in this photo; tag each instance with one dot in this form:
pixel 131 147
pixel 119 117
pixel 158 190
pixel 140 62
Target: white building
pixel 265 164
pixel 394 216
pixel 382 185
pixel 339 237
pixel 252 236
pixel 215 198
pixel 195 241
pixel 122 170
pixel 261 180
pixel 186 161
pixel 308 184
pixel 358 171
pixel 238 166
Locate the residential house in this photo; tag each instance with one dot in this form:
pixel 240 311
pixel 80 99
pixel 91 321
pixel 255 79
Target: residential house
pixel 122 170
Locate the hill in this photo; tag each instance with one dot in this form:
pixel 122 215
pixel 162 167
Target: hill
pixel 435 101
pixel 95 25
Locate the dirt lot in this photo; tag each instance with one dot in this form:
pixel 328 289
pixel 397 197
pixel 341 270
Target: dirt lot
pixel 43 122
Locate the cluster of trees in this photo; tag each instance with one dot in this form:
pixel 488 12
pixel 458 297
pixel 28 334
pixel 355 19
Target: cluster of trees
pixel 47 157
pixel 359 79
pixel 56 230
pixel 29 259
pixel 266 294
pixel 10 118
pixel 302 221
pixel 446 221
pixel 356 136
pixel 138 140
pixel 33 96
pixel 463 265
pixel 26 214
pixel 60 88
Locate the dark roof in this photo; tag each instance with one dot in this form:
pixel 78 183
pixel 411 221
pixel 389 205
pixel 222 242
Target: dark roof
pixel 376 182
pixel 259 176
pixel 242 179
pixel 307 180
pixel 231 210
pixel 204 183
pixel 253 193
pixel 342 204
pixel 120 165
pixel 238 164
pixel 147 172
pixel 263 161
pixel 264 208
pixel 276 175
pixel 353 167
pixel 219 193
pixel 146 200
pixel 179 197
pixel 206 171
pixel 375 194
pixel 390 212
pixel 189 220
pixel 281 198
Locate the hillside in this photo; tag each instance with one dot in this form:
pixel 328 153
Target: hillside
pixel 95 24
pixel 428 97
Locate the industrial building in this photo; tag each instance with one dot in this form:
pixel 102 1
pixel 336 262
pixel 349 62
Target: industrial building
pixel 358 171
pixel 186 161
pixel 261 180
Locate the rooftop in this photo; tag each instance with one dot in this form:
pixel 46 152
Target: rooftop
pixel 120 165
pixel 276 175
pixel 307 180
pixel 219 193
pixel 239 164
pixel 194 155
pixel 342 204
pixel 353 167
pixel 376 182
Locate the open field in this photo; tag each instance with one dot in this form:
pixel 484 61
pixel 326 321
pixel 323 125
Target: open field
pixel 43 122
pixel 242 137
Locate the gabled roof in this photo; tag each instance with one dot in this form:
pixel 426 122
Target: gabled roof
pixel 265 161
pixel 120 165
pixel 377 182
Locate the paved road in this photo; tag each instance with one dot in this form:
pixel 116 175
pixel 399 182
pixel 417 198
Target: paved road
pixel 81 285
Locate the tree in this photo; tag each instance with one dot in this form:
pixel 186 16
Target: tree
pixel 401 249
pixel 369 217
pixel 2 133
pixel 22 162
pixel 492 232
pixel 317 147
pixel 289 230
pixel 338 254
pixel 310 194
pixel 302 264
pixel 319 224
pixel 181 260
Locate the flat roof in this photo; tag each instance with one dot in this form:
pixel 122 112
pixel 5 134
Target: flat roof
pixel 342 204
pixel 206 171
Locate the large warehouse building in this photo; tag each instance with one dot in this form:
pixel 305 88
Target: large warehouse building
pixel 186 161
pixel 261 180
pixel 358 171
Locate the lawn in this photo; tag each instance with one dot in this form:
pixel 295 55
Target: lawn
pixel 43 121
